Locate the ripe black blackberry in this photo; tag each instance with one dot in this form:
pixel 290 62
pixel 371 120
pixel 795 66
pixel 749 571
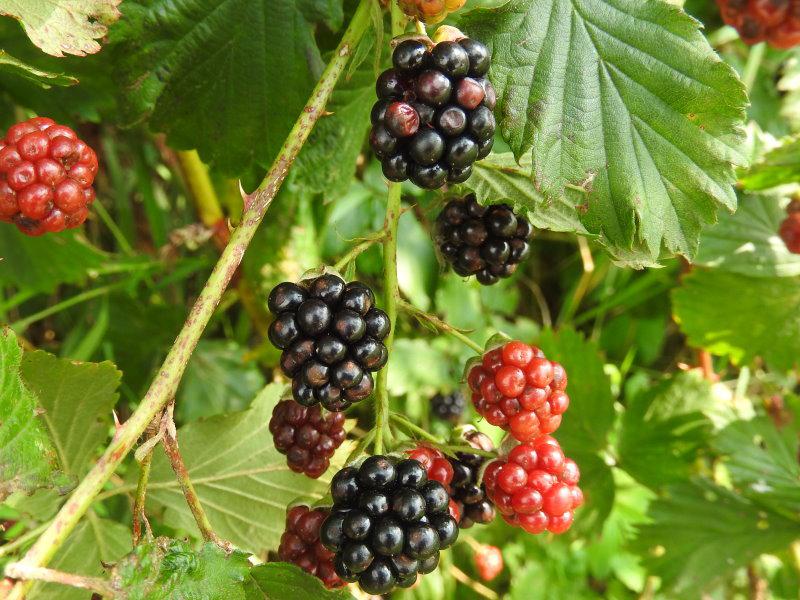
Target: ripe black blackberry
pixel 332 337
pixel 433 118
pixel 488 242
pixel 306 436
pixel 471 499
pixel 388 523
pixel 449 407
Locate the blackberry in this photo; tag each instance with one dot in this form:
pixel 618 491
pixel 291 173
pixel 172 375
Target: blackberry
pixel 300 544
pixel 46 176
pixel 790 232
pixel 473 504
pixel 332 336
pixel 433 118
pixel 388 523
pixel 775 21
pixel 305 436
pixel 449 407
pixel 488 242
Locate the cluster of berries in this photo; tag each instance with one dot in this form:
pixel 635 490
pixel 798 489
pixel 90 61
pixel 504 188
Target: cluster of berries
pixel 306 436
pixel 332 337
pixel 46 176
pixel 535 487
pixel 433 118
pixel 516 388
pixel 774 21
pixel 388 523
pixel 488 242
pixel 790 227
pixel 301 546
pixel 429 11
pixel 449 407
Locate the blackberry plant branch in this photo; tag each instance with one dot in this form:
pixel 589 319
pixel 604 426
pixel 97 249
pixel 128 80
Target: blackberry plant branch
pixel 439 324
pixel 166 382
pixel 30 573
pixel 139 515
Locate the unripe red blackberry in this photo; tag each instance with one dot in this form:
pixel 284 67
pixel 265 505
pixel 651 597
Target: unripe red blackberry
pixel 306 436
pixel 332 336
pixel 46 176
pixel 535 487
pixel 300 544
pixel 775 21
pixel 488 242
pixel 449 407
pixel 790 232
pixel 433 118
pixel 517 389
pixel 430 11
pixel 388 523
pixel 488 562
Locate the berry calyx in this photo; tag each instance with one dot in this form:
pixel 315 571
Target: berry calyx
pixel 301 545
pixel 488 562
pixel 430 11
pixel 46 176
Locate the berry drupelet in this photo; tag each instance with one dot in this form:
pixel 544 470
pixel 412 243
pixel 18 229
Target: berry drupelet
pixel 474 507
pixel 516 388
pixel 332 337
pixel 429 11
pixel 535 487
pixel 433 118
pixel 300 544
pixel 305 436
pixel 388 523
pixel 449 407
pixel 775 21
pixel 46 176
pixel 488 242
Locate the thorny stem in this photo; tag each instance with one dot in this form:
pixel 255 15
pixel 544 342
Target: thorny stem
pixel 165 385
pixel 28 572
pixel 439 324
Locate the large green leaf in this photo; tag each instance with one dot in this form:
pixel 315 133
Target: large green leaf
pixel 763 463
pixel 664 430
pixel 699 533
pixel 77 399
pixel 27 457
pixel 282 581
pixel 780 166
pixel 625 109
pixel 741 317
pixel 243 483
pixel 226 77
pixel 748 242
pixel 94 542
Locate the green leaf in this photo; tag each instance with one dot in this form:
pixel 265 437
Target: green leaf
pixel 741 317
pixel 227 78
pixel 44 79
pixel 283 581
pixel 780 166
pixel 243 483
pixel 405 374
pixel 164 568
pixel 77 399
pixel 328 11
pixel 27 457
pixel 40 264
pixel 218 380
pixel 95 541
pixel 763 463
pixel 664 430
pixel 65 26
pixel 625 109
pixel 748 242
pixel 585 426
pixel 700 533
pixel 417 267
pixel 597 485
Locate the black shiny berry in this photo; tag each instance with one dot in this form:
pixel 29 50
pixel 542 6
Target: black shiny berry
pixel 327 288
pixel 378 579
pixel 345 487
pixel 451 59
pixel 426 147
pixel 461 152
pixel 387 537
pixel 347 374
pixel 283 330
pixel 410 473
pixel 378 111
pixel 389 85
pixel 446 527
pixel 357 557
pixel 395 168
pixel 356 525
pixel 481 123
pixel 408 504
pixel 358 297
pixel 479 58
pixel 376 471
pixel 313 316
pixel 459 174
pixel 362 390
pixel 348 325
pixel 421 541
pixel 368 351
pixel 286 296
pixel 436 497
pixel 383 143
pixel 501 221
pixel 330 349
pixel 374 502
pixel 451 120
pixel 429 177
pixel 378 324
pixel 409 55
pixel 434 88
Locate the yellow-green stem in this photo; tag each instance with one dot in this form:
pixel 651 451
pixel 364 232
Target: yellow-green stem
pixel 197 179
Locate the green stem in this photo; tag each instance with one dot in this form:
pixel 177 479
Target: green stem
pixel 356 251
pixel 139 515
pixel 23 324
pixel 414 428
pixel 11 547
pixel 165 385
pixel 754 58
pixel 440 325
pixel 202 190
pixel 116 232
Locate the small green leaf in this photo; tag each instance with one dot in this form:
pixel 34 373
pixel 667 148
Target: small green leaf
pixel 741 317
pixel 664 430
pixel 406 377
pixel 43 78
pixel 27 457
pixel 780 166
pixel 282 581
pixel 625 109
pixel 65 26
pixel 77 399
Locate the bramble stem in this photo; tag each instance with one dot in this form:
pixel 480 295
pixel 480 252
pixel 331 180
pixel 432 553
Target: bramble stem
pixel 195 174
pixel 439 324
pixel 165 384
pixel 139 515
pixel 29 573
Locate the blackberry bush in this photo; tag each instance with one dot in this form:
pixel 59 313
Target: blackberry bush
pixel 433 118
pixel 516 388
pixel 46 176
pixel 332 336
pixel 775 21
pixel 306 436
pixel 300 544
pixel 488 242
pixel 535 487
pixel 388 523
pixel 449 407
